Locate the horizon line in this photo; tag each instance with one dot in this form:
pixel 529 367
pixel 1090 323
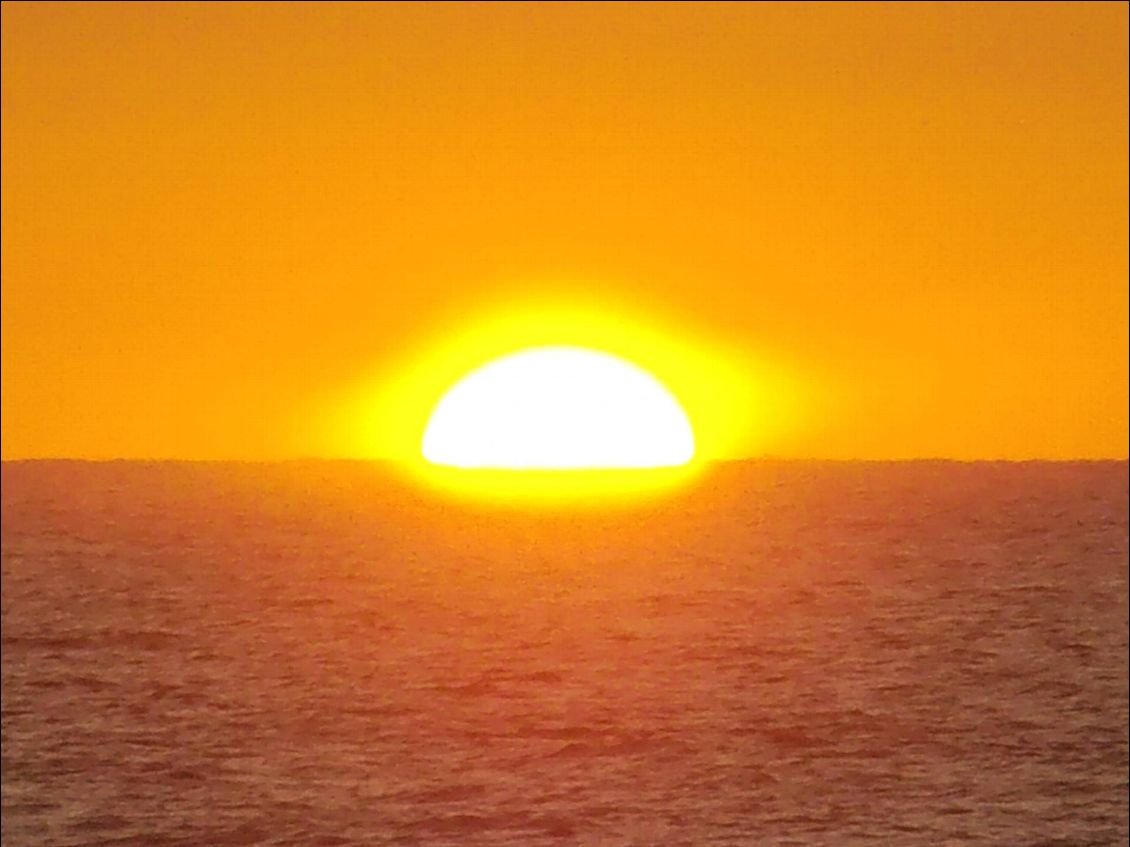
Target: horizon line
pixel 722 461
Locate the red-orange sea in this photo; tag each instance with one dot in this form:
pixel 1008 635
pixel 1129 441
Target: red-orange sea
pixel 784 653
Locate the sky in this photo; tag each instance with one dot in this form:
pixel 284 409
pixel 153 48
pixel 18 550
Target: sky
pixel 876 230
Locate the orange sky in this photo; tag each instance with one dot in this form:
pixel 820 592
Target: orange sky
pixel 220 220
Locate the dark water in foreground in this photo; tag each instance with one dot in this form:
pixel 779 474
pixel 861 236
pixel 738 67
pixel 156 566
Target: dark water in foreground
pixel 907 654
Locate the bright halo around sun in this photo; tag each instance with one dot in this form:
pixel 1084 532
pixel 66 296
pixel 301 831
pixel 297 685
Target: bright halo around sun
pixel 560 399
pixel 558 408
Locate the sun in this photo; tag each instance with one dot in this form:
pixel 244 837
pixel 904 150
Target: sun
pixel 558 408
pixel 556 398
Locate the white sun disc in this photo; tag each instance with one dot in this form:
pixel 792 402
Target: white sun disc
pixel 555 408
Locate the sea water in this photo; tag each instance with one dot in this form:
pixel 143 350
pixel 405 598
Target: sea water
pixel 781 653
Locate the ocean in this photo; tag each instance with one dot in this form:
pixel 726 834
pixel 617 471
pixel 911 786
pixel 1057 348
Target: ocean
pixel 783 653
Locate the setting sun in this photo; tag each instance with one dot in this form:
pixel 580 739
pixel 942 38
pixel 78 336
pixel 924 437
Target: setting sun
pixel 557 408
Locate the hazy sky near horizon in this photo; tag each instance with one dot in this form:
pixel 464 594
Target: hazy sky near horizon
pixel 219 220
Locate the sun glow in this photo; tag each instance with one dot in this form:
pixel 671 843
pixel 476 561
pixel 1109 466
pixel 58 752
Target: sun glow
pixel 516 403
pixel 558 408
